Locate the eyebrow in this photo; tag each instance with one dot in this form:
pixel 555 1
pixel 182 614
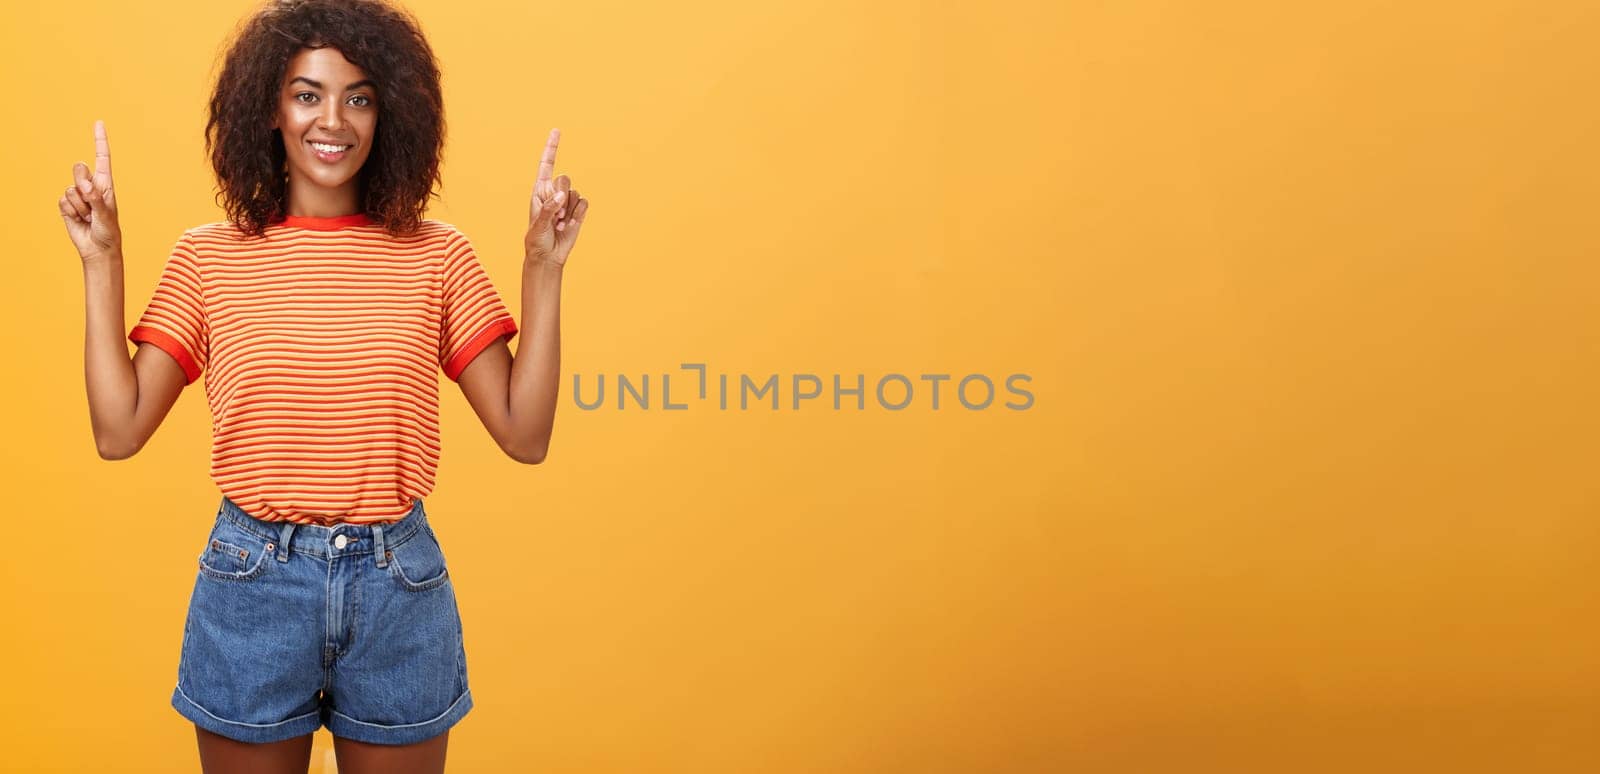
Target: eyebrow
pixel 318 85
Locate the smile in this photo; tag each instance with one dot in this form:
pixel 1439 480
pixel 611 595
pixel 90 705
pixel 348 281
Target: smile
pixel 329 153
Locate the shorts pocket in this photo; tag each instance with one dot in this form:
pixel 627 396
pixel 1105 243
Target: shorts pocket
pixel 233 554
pixel 418 564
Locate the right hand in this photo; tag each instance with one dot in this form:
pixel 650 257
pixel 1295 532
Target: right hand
pixel 90 207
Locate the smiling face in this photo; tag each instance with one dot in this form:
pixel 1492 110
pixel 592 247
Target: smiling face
pixel 328 115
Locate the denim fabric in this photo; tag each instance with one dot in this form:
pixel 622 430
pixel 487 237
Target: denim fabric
pixel 291 628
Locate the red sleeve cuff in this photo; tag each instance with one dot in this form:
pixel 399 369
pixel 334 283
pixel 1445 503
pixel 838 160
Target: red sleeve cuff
pixel 504 326
pixel 173 347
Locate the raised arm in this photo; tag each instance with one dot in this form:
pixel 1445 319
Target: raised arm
pixel 516 397
pixel 128 398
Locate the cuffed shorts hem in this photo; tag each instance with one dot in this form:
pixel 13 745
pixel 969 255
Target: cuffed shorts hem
pixel 408 733
pixel 255 733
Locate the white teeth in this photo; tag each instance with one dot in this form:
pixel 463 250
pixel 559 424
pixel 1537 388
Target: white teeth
pixel 329 148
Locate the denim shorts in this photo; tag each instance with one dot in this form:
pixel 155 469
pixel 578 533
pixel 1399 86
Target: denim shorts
pixel 294 626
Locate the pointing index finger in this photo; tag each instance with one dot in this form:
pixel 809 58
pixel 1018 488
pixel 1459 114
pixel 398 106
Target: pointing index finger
pixel 547 164
pixel 102 152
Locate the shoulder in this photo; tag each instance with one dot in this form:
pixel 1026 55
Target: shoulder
pixel 213 234
pixel 447 240
pixel 197 244
pixel 440 230
pixel 429 236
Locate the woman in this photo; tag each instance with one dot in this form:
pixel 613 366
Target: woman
pixel 321 312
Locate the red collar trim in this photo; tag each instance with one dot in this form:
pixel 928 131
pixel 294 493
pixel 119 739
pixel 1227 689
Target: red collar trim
pixel 326 224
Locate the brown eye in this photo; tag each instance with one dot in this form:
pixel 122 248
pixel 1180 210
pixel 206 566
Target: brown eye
pixel 304 94
pixel 364 101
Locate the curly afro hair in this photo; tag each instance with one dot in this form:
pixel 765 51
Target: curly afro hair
pixel 402 170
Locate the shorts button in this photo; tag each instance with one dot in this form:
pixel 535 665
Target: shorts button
pixel 339 542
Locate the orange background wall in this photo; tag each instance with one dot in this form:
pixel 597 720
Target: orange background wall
pixel 1306 294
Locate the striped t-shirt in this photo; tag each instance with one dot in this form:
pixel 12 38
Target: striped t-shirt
pixel 321 344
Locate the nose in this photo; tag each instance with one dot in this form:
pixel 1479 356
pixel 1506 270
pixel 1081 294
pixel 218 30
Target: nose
pixel 331 118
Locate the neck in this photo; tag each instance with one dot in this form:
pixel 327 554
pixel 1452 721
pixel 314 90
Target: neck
pixel 309 201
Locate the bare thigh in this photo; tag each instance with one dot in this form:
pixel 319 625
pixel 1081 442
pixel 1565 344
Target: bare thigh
pixel 424 757
pixel 221 755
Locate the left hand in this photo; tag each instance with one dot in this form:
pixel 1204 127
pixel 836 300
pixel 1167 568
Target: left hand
pixel 556 212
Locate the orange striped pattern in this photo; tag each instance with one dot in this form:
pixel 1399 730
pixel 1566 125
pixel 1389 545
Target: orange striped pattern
pixel 321 345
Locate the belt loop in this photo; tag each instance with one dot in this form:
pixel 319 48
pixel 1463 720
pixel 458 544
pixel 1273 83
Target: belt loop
pixel 283 541
pixel 377 545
